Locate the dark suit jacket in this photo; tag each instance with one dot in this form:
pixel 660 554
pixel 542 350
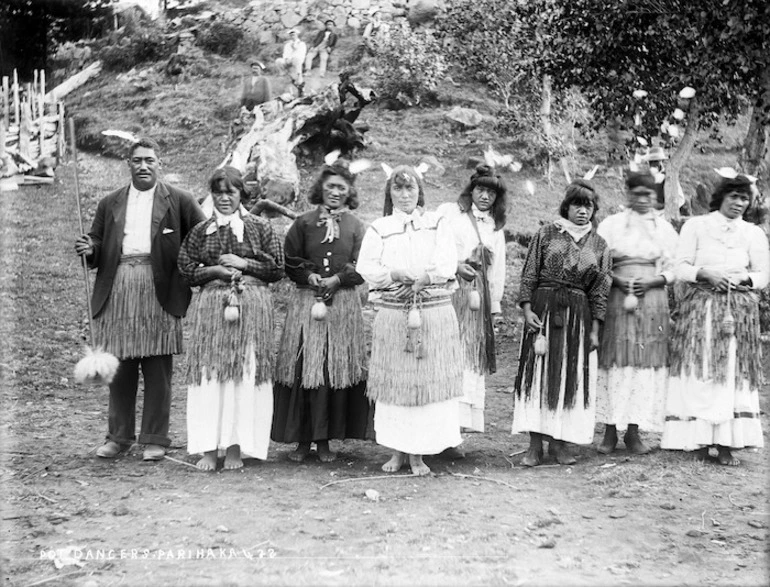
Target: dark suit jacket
pixel 318 39
pixel 174 213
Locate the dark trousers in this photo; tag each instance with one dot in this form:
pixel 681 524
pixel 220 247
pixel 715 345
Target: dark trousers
pixel 157 401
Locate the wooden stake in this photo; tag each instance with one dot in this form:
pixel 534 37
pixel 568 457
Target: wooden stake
pixel 16 105
pixel 42 93
pixel 6 101
pixel 62 144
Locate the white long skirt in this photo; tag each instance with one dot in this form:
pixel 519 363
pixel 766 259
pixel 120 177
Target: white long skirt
pixel 221 414
pixel 632 395
pixel 418 430
pixel 472 401
pixel 575 424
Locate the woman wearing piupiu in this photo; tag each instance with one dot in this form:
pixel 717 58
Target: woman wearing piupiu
pixel 716 354
pixel 320 389
pixel 564 287
pixel 231 257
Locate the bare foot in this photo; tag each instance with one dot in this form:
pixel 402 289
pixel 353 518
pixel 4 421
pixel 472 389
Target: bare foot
pixel 324 454
pixel 395 463
pixel 634 444
pixel 533 458
pixel 610 440
pixel 558 450
pixel 233 457
pixel 418 467
pixel 725 457
pixel 208 462
pixel 702 454
pixel 300 453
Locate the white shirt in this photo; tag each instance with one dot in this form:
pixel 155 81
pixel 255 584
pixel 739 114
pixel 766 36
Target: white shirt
pixel 466 240
pixel 416 243
pixel 735 247
pixel 647 236
pixel 295 50
pixel 137 238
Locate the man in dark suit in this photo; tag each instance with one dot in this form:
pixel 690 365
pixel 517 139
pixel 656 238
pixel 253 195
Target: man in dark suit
pixel 323 44
pixel 139 297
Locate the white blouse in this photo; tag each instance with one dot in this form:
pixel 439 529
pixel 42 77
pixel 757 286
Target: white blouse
pixel 735 247
pixel 466 240
pixel 647 236
pixel 416 243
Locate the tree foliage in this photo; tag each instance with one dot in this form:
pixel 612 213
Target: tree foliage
pixel 408 66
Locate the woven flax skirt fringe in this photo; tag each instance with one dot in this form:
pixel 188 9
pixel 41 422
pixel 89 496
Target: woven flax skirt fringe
pixel 546 404
pixel 334 349
pixel 415 377
pixel 633 357
pixel 473 347
pixel 714 399
pixel 133 324
pixel 230 393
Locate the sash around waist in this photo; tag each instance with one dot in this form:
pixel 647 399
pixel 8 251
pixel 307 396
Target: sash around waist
pixel 626 261
pixel 135 260
pixel 245 280
pixel 560 284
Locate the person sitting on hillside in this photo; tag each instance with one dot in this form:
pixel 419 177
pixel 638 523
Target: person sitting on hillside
pixel 256 89
pixel 290 62
pixel 374 32
pixel 323 45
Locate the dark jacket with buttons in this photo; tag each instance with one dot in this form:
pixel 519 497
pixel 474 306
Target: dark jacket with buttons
pixel 306 254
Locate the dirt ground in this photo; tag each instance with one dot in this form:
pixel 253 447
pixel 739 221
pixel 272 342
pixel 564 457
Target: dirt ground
pixel 69 518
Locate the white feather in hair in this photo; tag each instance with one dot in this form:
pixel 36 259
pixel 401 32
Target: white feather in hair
pixel 730 173
pixel 421 169
pixel 359 165
pixel 330 158
pixel 590 175
pixel 387 169
pixel 121 134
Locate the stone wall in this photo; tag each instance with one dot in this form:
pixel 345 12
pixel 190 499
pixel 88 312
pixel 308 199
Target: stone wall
pixel 268 20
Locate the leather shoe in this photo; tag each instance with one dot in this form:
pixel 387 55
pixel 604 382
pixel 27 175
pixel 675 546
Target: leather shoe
pixel 110 449
pixel 153 452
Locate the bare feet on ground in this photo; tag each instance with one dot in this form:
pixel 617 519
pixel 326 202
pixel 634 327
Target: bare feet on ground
pixel 300 453
pixel 559 451
pixel 725 457
pixel 701 454
pixel 233 457
pixel 208 462
pixel 634 444
pixel 325 455
pixel 395 463
pixel 610 440
pixel 418 466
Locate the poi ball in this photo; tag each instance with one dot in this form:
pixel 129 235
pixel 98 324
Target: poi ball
pixel 728 324
pixel 474 300
pixel 413 319
pixel 541 345
pixel 630 302
pixel 232 313
pixel 318 311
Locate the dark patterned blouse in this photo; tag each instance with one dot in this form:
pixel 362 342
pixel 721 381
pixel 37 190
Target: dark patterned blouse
pixel 554 256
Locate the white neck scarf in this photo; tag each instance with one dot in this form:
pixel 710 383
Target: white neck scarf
pixel 234 221
pixel 574 230
pixel 414 218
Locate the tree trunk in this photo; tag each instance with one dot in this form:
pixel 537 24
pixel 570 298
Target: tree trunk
pixel 753 158
pixel 678 159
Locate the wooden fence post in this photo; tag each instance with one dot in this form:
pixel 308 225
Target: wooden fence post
pixel 16 105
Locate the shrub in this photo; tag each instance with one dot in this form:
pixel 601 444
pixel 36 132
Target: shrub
pixel 221 38
pixel 408 66
pixel 135 48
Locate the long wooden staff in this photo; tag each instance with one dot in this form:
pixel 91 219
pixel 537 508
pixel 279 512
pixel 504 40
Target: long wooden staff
pixel 80 223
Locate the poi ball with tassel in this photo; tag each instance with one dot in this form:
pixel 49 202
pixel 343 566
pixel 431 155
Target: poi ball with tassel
pixel 318 311
pixel 728 324
pixel 232 313
pixel 474 300
pixel 413 319
pixel 630 302
pixel 541 345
